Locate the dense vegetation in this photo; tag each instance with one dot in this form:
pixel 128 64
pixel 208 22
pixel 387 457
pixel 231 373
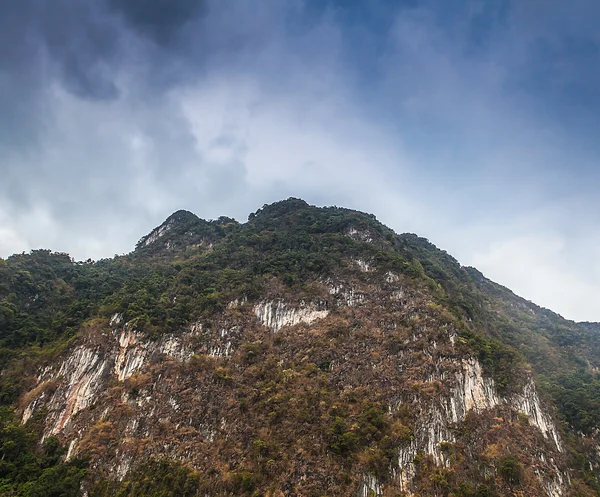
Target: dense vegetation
pixel 30 470
pixel 158 478
pixel 195 267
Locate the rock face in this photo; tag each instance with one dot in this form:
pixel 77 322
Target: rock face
pixel 178 396
pixel 277 314
pixel 158 232
pixel 475 393
pixel 83 372
pixel 86 371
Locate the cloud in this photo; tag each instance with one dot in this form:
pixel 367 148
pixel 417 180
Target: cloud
pixel 547 270
pixel 161 21
pixel 467 124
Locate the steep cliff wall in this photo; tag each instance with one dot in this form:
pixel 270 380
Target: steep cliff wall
pixel 214 392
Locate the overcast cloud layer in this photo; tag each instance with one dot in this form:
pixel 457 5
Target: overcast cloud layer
pixel 473 123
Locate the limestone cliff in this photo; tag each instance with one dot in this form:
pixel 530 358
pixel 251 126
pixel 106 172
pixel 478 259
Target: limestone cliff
pixel 307 352
pixel 147 391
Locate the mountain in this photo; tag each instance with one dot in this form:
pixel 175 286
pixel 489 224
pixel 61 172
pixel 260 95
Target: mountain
pixel 306 352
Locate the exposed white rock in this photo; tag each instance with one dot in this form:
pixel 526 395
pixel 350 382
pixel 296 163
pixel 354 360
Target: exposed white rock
pixel 473 392
pixel 132 425
pixel 477 392
pixel 349 296
pixel 82 372
pixel 391 277
pixel 71 450
pixel 222 346
pixel 208 432
pixel 432 431
pixel 174 404
pixel 370 487
pixel 116 319
pixel 135 349
pixel 122 467
pixel 556 484
pixel 528 402
pixel 437 434
pixel 220 351
pixel 31 408
pixel 174 347
pixel 359 235
pixel 363 265
pixel 275 314
pixel 237 303
pixel 406 466
pixel 158 232
pixel 132 354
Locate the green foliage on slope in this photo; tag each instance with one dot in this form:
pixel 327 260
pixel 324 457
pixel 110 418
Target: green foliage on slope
pixel 155 478
pixel 28 470
pixel 45 296
pixel 195 267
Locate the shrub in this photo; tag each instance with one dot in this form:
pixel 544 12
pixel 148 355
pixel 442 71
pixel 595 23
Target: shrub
pixel 510 469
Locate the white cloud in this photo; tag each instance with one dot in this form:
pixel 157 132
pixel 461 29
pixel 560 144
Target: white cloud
pixel 11 242
pixel 543 269
pixel 431 141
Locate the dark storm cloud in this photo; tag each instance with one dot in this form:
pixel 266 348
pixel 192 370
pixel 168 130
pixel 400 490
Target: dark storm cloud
pixel 84 45
pixel 42 42
pixel 72 40
pixel 20 73
pixel 88 125
pixel 161 21
pixel 440 117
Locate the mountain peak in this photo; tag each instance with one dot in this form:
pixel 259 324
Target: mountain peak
pixel 178 218
pixel 182 216
pixel 181 229
pixel 278 209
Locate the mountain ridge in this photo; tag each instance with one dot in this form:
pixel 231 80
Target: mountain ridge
pixel 219 301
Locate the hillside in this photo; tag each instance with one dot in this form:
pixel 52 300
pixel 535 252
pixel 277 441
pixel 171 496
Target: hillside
pixel 308 351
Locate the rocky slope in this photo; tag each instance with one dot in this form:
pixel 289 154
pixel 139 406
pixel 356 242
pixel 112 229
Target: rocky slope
pixel 310 352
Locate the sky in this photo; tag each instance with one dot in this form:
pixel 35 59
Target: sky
pixel 473 123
